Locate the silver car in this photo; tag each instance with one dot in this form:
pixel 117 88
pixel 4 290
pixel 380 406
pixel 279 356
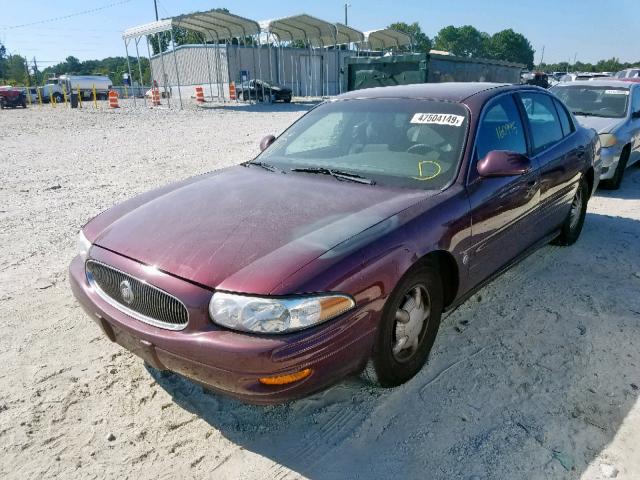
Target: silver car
pixel 612 108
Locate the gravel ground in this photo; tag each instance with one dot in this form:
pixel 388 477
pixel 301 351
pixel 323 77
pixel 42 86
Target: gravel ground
pixel 535 377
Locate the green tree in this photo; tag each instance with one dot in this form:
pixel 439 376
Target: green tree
pixel 465 41
pixel 15 69
pixel 421 42
pixel 510 46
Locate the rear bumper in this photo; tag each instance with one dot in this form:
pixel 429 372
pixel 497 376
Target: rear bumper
pixel 226 361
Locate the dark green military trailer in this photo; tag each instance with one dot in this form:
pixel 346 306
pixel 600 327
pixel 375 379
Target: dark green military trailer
pixel 367 72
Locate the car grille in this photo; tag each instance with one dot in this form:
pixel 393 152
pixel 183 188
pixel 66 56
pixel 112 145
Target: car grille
pixel 136 298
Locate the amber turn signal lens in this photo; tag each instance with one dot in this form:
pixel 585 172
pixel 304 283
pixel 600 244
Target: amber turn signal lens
pixel 333 306
pixel 284 379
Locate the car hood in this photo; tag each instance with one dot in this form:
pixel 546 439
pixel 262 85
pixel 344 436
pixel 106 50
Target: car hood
pixel 599 124
pixel 245 228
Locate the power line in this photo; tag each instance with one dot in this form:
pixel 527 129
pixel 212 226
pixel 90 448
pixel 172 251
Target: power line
pixel 64 17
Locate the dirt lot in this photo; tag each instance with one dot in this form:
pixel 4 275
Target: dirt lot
pixel 537 376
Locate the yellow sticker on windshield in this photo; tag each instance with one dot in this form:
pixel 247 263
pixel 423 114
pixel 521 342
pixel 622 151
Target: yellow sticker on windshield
pixel 438 119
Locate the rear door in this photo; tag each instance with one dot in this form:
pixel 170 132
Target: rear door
pixel 559 153
pixel 501 207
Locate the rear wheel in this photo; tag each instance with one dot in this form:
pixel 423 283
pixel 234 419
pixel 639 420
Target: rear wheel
pixel 58 97
pixel 572 225
pixel 408 327
pixel 614 183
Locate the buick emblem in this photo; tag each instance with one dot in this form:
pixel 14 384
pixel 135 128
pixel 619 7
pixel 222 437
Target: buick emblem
pixel 126 292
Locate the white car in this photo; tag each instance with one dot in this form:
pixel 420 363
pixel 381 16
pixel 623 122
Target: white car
pixel 612 108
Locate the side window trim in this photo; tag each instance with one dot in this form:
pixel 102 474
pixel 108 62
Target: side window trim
pixel 533 153
pixel 485 108
pixel 561 108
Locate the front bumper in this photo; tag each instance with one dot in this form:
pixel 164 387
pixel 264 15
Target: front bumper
pixel 226 361
pixel 610 156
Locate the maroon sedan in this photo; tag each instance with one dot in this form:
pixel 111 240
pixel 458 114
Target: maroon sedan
pixel 338 248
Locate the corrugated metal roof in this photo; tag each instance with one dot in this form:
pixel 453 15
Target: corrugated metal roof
pixel 147 29
pixel 346 34
pixel 214 24
pixel 304 28
pixel 386 38
pixel 218 24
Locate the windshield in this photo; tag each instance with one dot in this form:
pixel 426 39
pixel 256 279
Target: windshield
pixel 610 102
pixel 398 142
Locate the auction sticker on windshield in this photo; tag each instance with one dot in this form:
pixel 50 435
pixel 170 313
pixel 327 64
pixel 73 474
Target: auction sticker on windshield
pixel 438 119
pixel 616 92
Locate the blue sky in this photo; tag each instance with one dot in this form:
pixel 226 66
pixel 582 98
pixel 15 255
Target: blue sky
pixel 594 29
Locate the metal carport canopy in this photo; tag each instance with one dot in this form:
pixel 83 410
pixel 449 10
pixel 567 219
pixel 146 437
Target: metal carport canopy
pixel 218 24
pixel 386 38
pixel 347 34
pixel 147 29
pixel 304 28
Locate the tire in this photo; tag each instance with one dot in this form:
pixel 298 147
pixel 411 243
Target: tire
pixel 58 97
pixel 572 225
pixel 614 183
pixel 387 366
pixel 287 100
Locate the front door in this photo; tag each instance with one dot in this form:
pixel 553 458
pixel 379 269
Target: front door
pixel 501 207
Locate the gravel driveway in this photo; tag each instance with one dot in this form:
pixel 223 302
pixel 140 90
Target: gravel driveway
pixel 536 376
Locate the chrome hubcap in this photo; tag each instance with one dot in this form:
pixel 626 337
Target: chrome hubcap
pixel 576 208
pixel 411 320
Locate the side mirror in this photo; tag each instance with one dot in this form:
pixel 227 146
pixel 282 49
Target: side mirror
pixel 266 141
pixel 502 163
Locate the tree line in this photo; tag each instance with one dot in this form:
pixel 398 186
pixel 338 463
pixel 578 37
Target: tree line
pixel 464 41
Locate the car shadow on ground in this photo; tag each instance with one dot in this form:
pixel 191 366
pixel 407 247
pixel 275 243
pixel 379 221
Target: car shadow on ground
pixel 630 187
pixel 530 378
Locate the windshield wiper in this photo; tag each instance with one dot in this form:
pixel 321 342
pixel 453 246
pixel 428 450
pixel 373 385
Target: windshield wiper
pixel 338 174
pixel 266 166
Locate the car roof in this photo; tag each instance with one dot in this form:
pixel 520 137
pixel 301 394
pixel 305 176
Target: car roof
pixel 446 91
pixel 598 83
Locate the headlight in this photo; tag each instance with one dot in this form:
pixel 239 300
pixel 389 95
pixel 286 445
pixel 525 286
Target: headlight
pixel 607 140
pixel 275 315
pixel 83 246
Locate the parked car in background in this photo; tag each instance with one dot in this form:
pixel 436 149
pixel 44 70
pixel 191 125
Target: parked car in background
pixel 628 73
pixel 31 93
pixel 255 89
pixel 12 97
pixel 612 108
pixel 338 248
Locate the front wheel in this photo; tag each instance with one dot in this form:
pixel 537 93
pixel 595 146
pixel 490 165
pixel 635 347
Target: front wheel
pixel 614 183
pixel 572 225
pixel 408 328
pixel 58 97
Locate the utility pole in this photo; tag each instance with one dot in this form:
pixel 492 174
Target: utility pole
pixel 155 5
pixel 346 17
pixel 35 71
pixel 541 57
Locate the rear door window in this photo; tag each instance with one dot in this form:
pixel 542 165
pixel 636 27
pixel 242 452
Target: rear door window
pixel 501 128
pixel 565 119
pixel 543 120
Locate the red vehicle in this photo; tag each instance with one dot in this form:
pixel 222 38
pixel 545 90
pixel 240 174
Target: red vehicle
pixel 12 97
pixel 338 248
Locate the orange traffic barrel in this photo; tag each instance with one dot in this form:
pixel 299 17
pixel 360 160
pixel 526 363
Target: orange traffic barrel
pixel 199 95
pixel 113 99
pixel 155 97
pixel 232 91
